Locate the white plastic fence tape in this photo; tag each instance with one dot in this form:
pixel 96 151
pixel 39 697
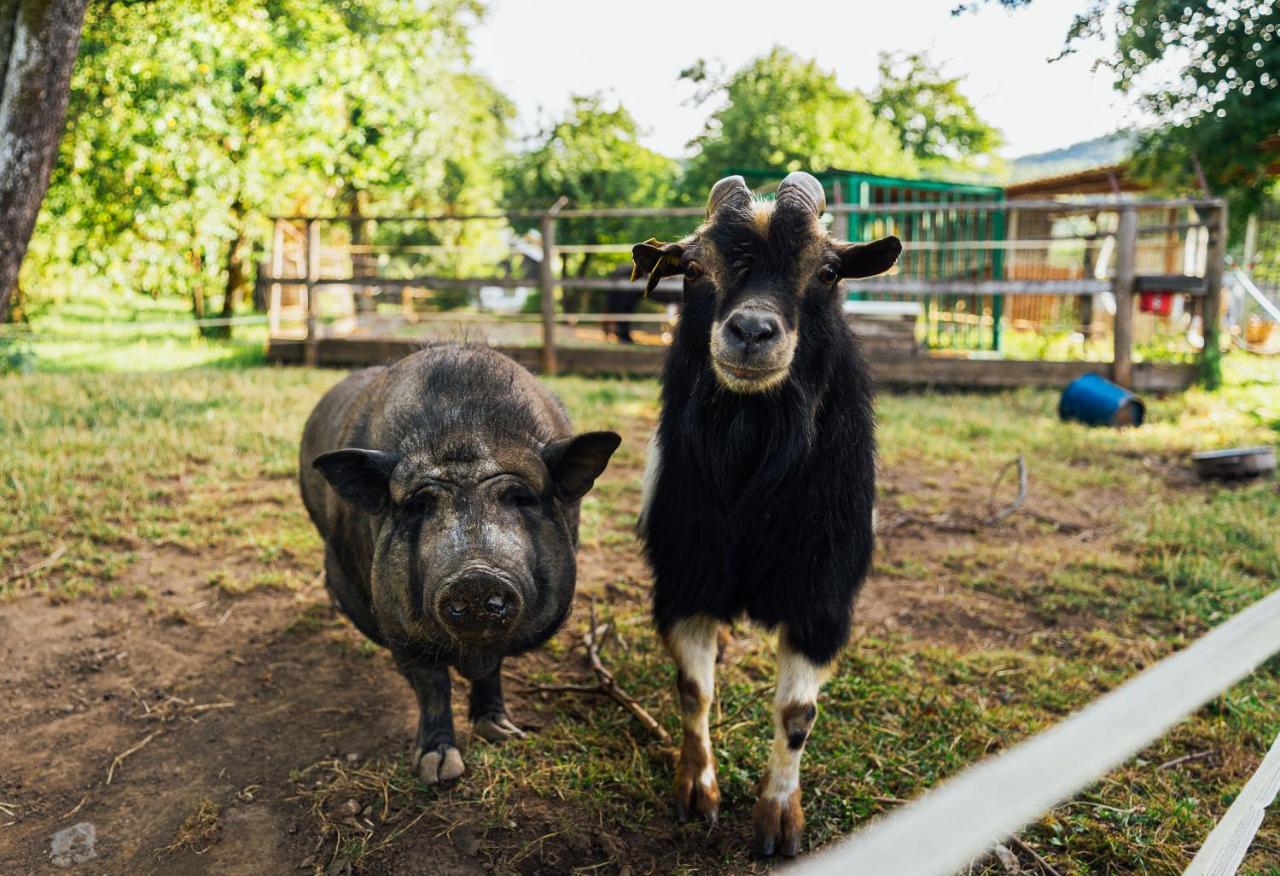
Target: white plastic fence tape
pixel 945 829
pixel 1226 847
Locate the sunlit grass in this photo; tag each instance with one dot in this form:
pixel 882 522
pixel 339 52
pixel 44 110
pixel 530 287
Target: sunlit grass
pixel 101 473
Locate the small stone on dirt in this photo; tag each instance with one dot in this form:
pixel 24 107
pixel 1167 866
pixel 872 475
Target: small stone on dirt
pixel 353 757
pixel 351 807
pixel 1008 860
pixel 74 845
pixel 466 841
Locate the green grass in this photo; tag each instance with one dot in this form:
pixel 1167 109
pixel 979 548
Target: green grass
pixel 115 333
pixel 101 472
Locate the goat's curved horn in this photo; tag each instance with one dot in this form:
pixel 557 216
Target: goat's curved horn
pixel 802 190
pixel 721 192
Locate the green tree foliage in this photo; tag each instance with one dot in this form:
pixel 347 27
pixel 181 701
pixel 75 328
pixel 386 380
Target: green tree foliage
pixel 1225 104
pixel 934 120
pixel 785 113
pixel 592 157
pixel 1221 104
pixel 190 122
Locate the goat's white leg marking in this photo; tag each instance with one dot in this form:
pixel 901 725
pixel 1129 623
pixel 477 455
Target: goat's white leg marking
pixel 778 817
pixel 693 645
pixel 649 482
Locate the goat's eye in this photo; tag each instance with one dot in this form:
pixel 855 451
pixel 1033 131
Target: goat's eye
pixel 520 497
pixel 692 271
pixel 828 274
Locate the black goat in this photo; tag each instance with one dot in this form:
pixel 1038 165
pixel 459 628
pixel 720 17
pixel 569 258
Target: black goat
pixel 761 474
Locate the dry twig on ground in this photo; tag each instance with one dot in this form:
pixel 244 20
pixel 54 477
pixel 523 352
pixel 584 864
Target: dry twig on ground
pixel 119 758
pixel 606 684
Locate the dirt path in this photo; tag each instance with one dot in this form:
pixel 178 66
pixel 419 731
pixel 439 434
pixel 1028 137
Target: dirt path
pixel 224 701
pixel 202 732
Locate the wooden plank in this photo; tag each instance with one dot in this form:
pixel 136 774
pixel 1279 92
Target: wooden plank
pixel 430 282
pixel 1169 283
pixel 313 274
pixel 965 816
pixel 547 284
pixel 1224 850
pixel 1215 264
pixel 675 286
pixel 924 287
pixel 1029 205
pixel 1122 288
pixel 888 367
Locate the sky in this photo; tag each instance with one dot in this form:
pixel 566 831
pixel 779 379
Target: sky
pixel 542 52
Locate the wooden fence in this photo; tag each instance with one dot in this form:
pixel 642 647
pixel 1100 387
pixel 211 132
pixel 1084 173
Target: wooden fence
pixel 943 831
pixel 1081 253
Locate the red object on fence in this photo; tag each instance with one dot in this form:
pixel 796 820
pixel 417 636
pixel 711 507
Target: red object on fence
pixel 1159 303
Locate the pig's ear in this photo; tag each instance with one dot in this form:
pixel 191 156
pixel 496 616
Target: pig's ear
pixel 361 477
pixel 576 462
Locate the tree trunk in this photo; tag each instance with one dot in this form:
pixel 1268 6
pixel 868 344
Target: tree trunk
pixel 239 253
pixel 38 44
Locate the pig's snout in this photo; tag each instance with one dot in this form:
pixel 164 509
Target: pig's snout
pixel 478 605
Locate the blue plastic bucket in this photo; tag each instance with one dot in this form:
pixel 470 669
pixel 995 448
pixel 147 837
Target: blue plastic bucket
pixel 1096 401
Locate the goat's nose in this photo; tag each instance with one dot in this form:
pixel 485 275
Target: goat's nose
pixel 748 329
pixel 478 605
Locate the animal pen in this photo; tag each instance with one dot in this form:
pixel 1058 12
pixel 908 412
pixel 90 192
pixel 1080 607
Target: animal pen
pixel 989 292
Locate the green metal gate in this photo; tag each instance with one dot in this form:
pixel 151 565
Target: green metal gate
pixel 946 241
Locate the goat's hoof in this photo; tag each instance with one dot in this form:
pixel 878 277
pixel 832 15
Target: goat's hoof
pixel 440 764
pixel 779 825
pixel 497 727
pixel 697 795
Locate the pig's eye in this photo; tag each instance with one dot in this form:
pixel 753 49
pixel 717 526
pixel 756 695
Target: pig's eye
pixel 692 271
pixel 520 497
pixel 422 503
pixel 828 274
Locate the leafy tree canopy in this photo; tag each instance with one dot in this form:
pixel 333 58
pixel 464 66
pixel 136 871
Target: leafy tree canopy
pixel 1220 110
pixel 783 112
pixel 190 119
pixel 934 120
pixel 592 157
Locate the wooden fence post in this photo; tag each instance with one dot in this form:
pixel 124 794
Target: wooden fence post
pixel 1215 264
pixel 311 351
pixel 547 281
pixel 1122 288
pixel 275 301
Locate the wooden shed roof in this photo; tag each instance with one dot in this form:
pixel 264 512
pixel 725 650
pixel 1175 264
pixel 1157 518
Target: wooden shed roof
pixel 1108 179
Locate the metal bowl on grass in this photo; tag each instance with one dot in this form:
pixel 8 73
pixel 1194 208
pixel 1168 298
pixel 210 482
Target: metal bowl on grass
pixel 1237 462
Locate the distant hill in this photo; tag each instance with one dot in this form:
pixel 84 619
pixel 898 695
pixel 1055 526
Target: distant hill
pixel 1110 149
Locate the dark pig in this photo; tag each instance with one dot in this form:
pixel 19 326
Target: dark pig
pixel 446 489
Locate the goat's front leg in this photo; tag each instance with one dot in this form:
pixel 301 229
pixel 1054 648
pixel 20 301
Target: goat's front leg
pixel 778 817
pixel 692 642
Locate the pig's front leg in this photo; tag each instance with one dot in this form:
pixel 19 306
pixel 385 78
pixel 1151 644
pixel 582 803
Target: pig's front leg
pixel 489 715
pixel 436 757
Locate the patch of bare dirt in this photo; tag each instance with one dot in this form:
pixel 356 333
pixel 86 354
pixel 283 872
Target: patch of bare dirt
pixel 182 726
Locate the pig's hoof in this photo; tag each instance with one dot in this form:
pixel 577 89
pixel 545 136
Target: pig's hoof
pixel 497 727
pixel 779 825
pixel 441 764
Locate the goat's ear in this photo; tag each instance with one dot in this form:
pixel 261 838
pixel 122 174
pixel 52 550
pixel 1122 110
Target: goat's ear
pixel 361 477
pixel 655 260
pixel 576 462
pixel 868 259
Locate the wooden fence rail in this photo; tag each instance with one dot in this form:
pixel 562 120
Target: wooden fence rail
pixel 1208 216
pixel 948 827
